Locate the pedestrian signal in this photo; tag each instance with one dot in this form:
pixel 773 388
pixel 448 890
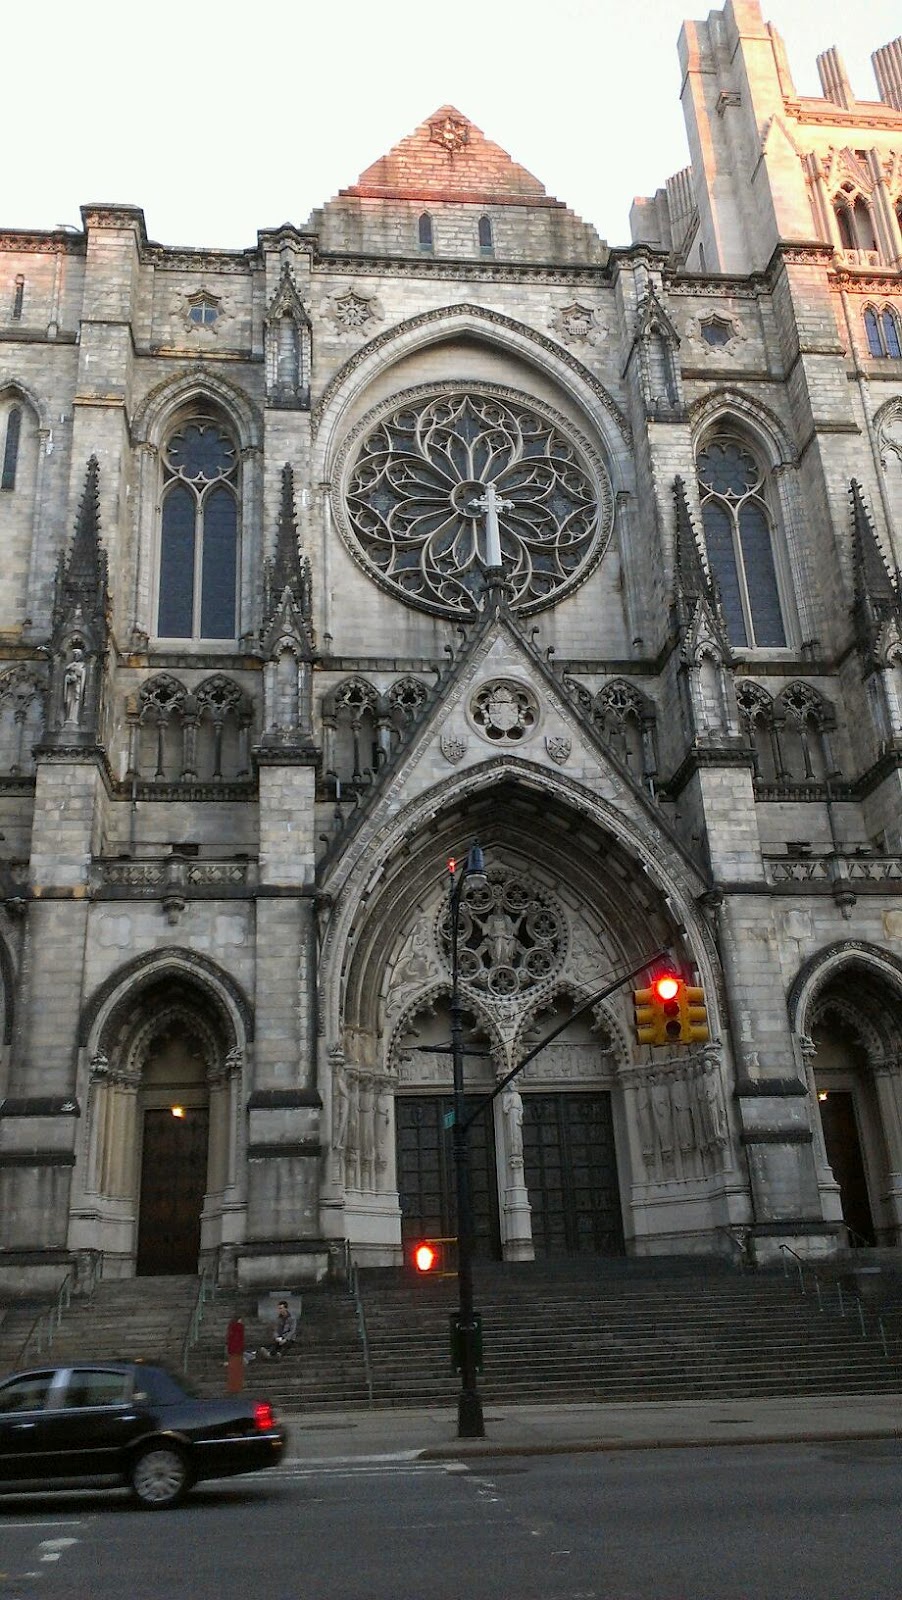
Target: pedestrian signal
pixel 426 1257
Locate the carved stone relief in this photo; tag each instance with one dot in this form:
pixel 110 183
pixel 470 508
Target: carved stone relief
pixel 681 1118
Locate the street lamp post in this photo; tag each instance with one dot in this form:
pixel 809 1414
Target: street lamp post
pixel 470 1424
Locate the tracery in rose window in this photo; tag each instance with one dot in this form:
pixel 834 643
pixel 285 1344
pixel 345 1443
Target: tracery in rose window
pixel 412 494
pixel 512 935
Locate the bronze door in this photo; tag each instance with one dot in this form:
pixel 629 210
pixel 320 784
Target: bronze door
pixel 570 1165
pixel 173 1185
pixel 426 1172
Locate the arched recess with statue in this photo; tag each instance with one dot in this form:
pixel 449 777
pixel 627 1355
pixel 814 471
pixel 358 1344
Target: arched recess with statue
pixel 846 1007
pixel 600 1147
pixel 159 1182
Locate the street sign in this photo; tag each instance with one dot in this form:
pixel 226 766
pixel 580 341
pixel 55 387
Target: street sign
pixel 448 1119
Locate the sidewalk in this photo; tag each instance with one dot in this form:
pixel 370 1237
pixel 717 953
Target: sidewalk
pixel 431 1434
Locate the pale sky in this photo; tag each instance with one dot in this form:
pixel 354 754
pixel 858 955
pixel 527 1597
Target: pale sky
pixel 220 119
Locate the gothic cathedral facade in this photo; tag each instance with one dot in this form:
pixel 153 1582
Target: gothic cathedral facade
pixel 432 521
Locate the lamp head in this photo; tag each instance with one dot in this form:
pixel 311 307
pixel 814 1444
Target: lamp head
pixel 474 869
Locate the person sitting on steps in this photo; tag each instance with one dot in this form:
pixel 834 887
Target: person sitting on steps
pixel 283 1335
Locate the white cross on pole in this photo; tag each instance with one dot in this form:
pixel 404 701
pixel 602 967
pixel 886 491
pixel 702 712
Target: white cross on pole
pixel 491 504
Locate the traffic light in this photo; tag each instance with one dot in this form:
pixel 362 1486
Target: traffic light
pixel 693 1015
pixel 670 1011
pixel 657 1010
pixel 426 1256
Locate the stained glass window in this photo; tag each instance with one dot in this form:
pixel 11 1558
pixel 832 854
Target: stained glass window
pixel 882 331
pixel 199 533
pixel 739 540
pixel 11 448
pixel 417 499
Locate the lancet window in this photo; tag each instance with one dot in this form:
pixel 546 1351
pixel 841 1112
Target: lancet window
pixel 625 718
pixel 854 220
pixel 350 718
pixel 803 720
pixel 486 239
pixel 11 448
pixel 178 736
pixel 424 233
pixel 756 713
pixel 739 531
pixel 882 329
pixel 198 567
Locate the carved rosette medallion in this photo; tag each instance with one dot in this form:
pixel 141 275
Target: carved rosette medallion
pixel 353 313
pixel 513 936
pixel 452 133
pixel 577 324
pixel 504 712
pixel 413 506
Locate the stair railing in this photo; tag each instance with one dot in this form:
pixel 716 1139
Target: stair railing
pixel 857 1304
pixel 352 1278
pixel 206 1290
pixel 40 1334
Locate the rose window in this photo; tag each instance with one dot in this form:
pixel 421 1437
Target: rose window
pixel 413 493
pixel 512 936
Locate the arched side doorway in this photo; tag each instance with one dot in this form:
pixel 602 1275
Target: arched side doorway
pixel 561 1161
pixel 853 1045
pixel 161 1171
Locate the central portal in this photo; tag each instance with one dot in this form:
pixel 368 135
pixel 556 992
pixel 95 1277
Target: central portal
pixel 571 1174
pixel 426 1172
pixel 173 1185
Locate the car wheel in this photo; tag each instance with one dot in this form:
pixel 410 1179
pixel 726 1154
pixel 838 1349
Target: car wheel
pixel 160 1476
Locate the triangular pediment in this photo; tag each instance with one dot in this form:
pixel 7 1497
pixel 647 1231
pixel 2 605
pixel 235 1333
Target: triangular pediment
pixel 447 158
pixel 501 698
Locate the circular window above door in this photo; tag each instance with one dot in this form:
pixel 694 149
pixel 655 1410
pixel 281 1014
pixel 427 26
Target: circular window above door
pixel 413 508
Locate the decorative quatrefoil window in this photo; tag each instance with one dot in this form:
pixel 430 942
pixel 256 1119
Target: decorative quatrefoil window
pixel 414 488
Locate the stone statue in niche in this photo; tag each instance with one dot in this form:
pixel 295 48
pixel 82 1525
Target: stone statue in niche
pixel 340 1107
pixel 663 1121
pixel 366 1117
pixel 383 1129
pixel 713 1117
pixel 512 1106
pixel 74 688
pixel 645 1124
pixel 352 1135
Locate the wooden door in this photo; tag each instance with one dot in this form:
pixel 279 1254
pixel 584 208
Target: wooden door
pixel 847 1163
pixel 173 1185
pixel 426 1182
pixel 570 1167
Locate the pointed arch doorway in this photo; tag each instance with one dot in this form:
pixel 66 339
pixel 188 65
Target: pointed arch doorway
pixel 174 1130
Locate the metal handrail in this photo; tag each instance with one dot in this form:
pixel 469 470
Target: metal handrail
pixel 206 1290
pixel 352 1278
pixel 46 1322
pixel 856 1302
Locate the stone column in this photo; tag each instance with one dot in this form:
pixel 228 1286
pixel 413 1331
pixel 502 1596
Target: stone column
pixel 888 1083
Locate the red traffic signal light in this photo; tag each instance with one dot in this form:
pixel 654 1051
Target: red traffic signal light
pixel 670 1011
pixel 426 1257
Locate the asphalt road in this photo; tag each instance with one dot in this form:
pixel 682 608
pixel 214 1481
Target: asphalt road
pixel 775 1522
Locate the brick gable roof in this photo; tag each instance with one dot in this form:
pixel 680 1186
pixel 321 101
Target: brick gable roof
pixel 447 158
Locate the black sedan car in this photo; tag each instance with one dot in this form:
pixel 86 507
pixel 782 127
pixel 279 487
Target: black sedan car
pixel 125 1422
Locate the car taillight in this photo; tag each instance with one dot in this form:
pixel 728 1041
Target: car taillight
pixel 264 1416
